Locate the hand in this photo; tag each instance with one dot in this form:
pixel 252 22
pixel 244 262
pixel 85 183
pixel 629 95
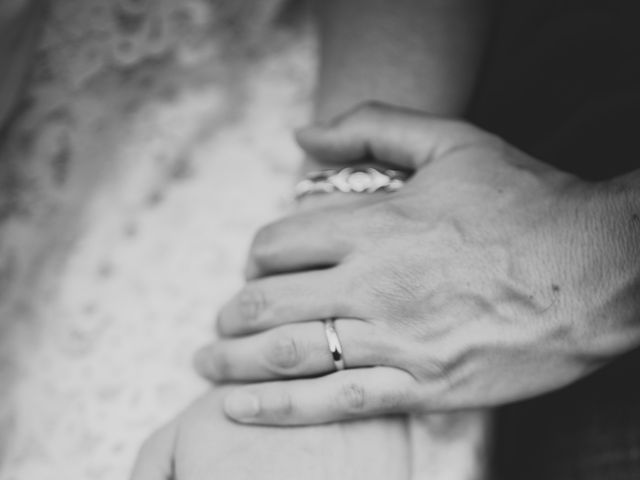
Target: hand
pixel 488 278
pixel 202 444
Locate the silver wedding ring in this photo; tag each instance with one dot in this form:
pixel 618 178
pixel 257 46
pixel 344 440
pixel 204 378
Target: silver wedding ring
pixel 335 347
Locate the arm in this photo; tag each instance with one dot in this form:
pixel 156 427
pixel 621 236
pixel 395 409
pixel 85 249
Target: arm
pixel 423 54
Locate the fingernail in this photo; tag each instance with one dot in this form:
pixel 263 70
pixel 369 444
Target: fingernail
pixel 241 405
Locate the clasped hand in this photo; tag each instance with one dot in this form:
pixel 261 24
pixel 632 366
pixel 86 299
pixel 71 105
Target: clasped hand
pixel 489 277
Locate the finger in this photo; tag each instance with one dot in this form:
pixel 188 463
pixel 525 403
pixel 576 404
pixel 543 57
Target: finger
pixel 291 351
pixel 400 137
pixel 311 240
pixel 272 301
pixel 344 395
pixel 155 459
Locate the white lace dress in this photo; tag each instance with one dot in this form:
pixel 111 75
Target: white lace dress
pixel 154 142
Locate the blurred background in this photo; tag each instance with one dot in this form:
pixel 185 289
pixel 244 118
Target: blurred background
pixel 151 138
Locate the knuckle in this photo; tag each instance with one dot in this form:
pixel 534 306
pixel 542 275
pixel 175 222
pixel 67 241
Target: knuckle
pixel 361 112
pixel 284 353
pixel 369 108
pixel 279 406
pixel 433 369
pixel 438 375
pixel 352 398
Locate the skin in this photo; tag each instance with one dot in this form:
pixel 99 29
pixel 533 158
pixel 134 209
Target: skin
pixel 422 54
pixel 419 53
pixel 202 444
pixel 489 277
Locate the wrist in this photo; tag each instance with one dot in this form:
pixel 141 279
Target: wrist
pixel 614 231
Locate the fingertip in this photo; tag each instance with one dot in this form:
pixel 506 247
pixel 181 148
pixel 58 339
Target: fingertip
pixel 308 137
pixel 241 406
pixel 201 362
pixel 251 271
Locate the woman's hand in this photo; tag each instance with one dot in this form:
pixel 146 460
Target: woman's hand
pixel 201 444
pixel 489 277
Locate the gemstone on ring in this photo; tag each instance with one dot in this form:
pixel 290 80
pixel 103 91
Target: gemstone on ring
pixel 335 347
pixel 351 180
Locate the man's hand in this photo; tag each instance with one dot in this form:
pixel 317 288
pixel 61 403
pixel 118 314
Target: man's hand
pixel 488 278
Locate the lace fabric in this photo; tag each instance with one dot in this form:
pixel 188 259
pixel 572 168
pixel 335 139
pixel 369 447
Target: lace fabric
pixel 155 138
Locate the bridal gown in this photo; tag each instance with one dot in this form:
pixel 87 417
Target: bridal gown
pixel 154 140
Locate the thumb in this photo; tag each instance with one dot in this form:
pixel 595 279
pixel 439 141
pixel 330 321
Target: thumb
pixel 403 138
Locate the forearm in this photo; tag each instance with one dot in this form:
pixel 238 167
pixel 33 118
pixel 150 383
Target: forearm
pixel 422 54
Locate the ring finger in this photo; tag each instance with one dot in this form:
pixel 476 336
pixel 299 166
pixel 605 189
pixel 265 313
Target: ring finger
pixel 292 351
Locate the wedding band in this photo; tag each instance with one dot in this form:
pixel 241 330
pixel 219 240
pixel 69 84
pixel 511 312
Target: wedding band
pixel 335 347
pixel 350 180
